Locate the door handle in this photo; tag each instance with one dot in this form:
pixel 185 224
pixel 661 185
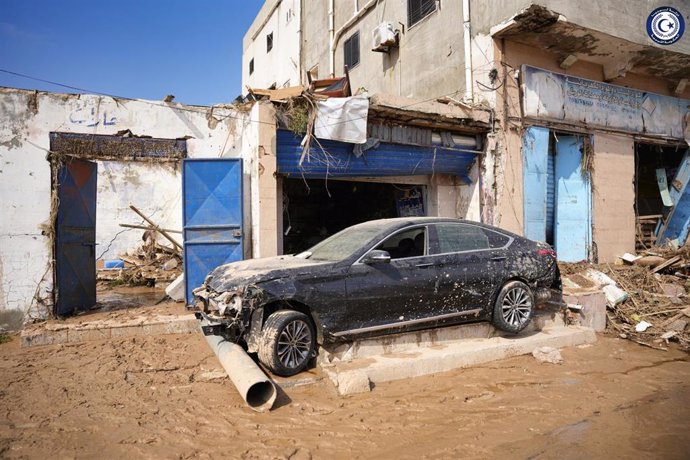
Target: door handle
pixel 497 258
pixel 424 265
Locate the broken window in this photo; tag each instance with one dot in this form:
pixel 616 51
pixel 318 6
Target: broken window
pixel 351 49
pixel 418 10
pixel 269 42
pixel 251 66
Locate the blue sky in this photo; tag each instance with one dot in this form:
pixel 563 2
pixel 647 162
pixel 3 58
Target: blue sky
pixel 131 48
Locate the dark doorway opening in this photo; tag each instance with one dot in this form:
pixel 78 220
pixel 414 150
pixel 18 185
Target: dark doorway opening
pixel 656 167
pixel 315 209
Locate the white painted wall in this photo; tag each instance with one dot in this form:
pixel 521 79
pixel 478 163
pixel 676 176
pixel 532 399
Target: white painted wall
pixel 281 65
pixel 26 120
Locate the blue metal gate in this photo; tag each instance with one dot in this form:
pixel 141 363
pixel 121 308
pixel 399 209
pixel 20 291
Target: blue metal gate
pixel 212 217
pixel 573 234
pixel 75 238
pixel 535 148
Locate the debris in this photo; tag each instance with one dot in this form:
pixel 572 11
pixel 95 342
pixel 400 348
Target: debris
pixel 574 307
pixel 353 382
pixel 175 290
pixel 143 266
pixel 144 227
pixel 666 264
pixel 170 264
pixel 547 355
pixel 642 326
pixel 629 258
pixel 614 295
pixel 278 95
pixel 158 229
pixel 649 261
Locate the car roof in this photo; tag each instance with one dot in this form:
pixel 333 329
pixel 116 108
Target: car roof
pixel 399 222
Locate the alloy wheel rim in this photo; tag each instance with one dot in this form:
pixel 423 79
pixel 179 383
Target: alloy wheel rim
pixel 516 306
pixel 294 344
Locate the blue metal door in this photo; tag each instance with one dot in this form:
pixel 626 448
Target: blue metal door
pixel 75 237
pixel 535 148
pixel 677 224
pixel 573 233
pixel 212 217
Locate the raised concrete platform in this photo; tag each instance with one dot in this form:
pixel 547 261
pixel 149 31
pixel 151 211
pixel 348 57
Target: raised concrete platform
pixel 52 333
pixel 352 367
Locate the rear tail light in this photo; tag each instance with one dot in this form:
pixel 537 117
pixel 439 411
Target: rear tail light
pixel 547 252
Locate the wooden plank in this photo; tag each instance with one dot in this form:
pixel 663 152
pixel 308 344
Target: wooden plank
pixel 668 263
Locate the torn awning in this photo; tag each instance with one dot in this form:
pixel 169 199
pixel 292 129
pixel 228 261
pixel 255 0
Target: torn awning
pixel 331 159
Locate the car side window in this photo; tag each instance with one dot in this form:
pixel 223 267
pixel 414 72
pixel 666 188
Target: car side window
pixel 408 243
pixel 459 238
pixel 496 240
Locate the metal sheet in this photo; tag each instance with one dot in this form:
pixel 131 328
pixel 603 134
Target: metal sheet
pixel 573 234
pixel 75 239
pixel 565 98
pixel 677 223
pixel 212 217
pixel 535 151
pixel 335 159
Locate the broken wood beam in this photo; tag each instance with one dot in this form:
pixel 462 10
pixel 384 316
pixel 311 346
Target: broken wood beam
pixel 144 227
pixel 156 227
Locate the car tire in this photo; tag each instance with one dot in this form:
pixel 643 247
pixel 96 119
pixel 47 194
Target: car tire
pixel 287 342
pixel 514 307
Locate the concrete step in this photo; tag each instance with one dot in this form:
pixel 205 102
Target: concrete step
pixel 355 375
pixel 54 332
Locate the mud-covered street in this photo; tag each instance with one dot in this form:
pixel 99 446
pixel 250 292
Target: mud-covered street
pixel 164 397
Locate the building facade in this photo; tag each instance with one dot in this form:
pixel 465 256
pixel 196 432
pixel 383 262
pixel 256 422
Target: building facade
pixel 587 111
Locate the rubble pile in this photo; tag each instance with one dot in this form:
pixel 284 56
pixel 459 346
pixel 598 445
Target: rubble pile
pixel 646 295
pixel 145 266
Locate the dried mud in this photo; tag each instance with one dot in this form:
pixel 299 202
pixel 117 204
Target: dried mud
pixel 161 397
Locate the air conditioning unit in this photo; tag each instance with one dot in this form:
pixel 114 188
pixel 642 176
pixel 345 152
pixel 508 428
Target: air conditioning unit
pixel 384 37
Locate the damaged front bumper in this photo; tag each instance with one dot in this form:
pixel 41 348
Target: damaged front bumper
pixel 227 313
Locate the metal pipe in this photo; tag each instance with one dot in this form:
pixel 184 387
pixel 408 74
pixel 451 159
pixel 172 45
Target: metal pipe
pixel 257 390
pixel 467 39
pixel 335 36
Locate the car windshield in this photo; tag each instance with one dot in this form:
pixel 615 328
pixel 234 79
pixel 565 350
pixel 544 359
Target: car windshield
pixel 341 245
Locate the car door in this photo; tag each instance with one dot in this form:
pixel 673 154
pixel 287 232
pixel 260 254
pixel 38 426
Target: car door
pixel 384 294
pixel 471 265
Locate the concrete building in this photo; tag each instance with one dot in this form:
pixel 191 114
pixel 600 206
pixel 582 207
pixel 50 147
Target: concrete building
pixel 565 84
pixel 271 47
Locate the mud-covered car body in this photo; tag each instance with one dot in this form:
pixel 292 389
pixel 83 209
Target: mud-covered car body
pixel 361 282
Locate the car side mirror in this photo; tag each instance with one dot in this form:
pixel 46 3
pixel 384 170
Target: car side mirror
pixel 377 257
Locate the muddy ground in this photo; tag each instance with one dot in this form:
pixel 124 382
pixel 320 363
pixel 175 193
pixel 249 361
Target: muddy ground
pixel 155 397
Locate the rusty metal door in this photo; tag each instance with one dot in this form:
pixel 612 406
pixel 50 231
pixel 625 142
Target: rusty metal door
pixel 75 241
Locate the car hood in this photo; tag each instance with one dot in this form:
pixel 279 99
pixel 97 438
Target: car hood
pixel 254 271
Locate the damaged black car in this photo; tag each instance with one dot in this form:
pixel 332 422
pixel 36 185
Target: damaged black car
pixel 378 277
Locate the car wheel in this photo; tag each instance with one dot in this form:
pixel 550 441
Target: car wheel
pixel 287 342
pixel 514 307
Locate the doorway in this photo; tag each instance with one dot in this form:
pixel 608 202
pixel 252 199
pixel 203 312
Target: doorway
pixel 99 262
pixel 314 209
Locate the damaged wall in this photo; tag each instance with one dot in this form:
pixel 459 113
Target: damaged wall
pixel 29 117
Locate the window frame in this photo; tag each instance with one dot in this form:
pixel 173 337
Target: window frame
pixel 433 238
pixel 348 43
pixel 269 42
pixel 421 17
pixel 426 228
